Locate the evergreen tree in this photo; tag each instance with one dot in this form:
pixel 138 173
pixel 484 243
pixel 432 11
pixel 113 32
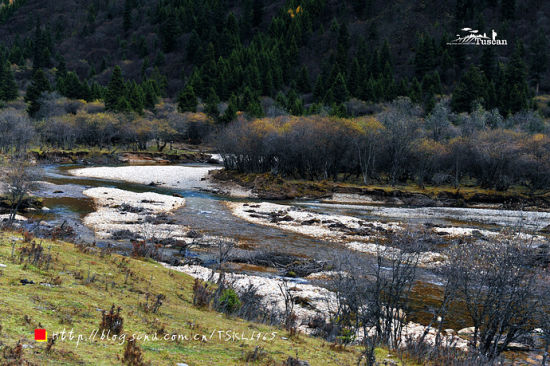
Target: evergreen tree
pixel 127 17
pixel 169 32
pixel 281 99
pixel 230 112
pixel 488 62
pixel 96 91
pixel 193 46
pixel 471 89
pixel 425 55
pixel 135 97
pixel 72 87
pixel 539 56
pixel 8 86
pixel 516 92
pixel 318 90
pixel 304 86
pixel 150 94
pixel 297 107
pixel 115 90
pixel 338 110
pixel 431 83
pixel 123 105
pixel 251 103
pixel 339 90
pixel 39 85
pixel 343 45
pixel 187 101
pixel 41 54
pixel 354 77
pixel 212 102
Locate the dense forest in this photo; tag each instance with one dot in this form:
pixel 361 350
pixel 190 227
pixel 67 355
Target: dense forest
pixel 313 56
pixel 376 91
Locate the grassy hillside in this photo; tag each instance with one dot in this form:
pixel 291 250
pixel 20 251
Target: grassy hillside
pixel 70 290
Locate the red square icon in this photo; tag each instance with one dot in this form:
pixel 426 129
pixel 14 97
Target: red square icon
pixel 40 335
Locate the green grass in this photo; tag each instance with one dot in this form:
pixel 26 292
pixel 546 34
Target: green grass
pixel 75 304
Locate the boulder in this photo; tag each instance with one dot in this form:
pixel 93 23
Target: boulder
pixel 466 331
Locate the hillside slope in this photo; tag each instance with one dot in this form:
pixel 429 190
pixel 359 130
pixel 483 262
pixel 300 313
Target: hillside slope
pixel 69 292
pixel 175 36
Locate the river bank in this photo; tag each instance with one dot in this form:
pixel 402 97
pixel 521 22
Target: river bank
pixel 271 187
pixel 114 156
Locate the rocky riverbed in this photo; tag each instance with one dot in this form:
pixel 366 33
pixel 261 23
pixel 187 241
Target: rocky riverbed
pixel 143 215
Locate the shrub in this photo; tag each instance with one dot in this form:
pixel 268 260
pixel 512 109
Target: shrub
pixel 112 321
pixel 201 294
pixel 132 354
pixel 229 301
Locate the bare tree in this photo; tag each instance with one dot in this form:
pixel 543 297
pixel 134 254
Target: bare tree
pixel 496 282
pixel 20 177
pixel 373 296
pixel 543 313
pixel 224 248
pixel 16 131
pixel 402 122
pixel 288 297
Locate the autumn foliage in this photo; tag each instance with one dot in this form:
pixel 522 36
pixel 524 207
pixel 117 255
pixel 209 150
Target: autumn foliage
pixel 398 145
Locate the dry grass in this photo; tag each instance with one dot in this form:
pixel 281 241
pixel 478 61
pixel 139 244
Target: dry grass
pixel 62 298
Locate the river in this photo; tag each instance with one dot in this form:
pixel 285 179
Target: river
pixel 206 213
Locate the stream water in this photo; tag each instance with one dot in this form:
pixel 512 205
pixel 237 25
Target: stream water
pixel 206 213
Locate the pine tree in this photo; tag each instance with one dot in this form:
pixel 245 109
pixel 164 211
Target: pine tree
pixel 127 17
pixel 343 45
pixel 122 105
pixel 268 88
pixel 251 103
pixel 488 62
pixel 187 101
pixel 135 97
pixel 339 90
pixel 72 87
pixel 471 89
pixel 539 58
pixel 41 54
pixel 515 88
pixel 212 102
pixel 150 94
pixel 193 46
pixel 281 99
pixel 8 86
pixel 169 32
pixel 230 112
pixel 354 77
pixel 318 90
pixel 115 90
pixel 431 83
pixel 303 84
pixel 415 91
pixel 39 85
pixel 96 91
pixel 297 107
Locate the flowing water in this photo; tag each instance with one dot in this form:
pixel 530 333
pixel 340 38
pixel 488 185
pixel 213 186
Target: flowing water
pixel 206 213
